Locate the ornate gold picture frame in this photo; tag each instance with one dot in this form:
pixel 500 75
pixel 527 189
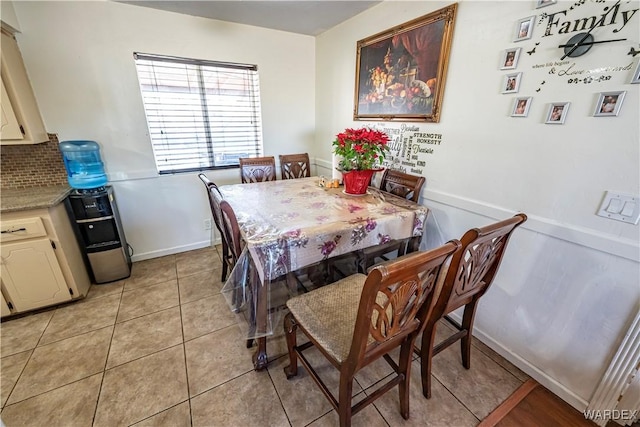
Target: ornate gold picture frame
pixel 400 72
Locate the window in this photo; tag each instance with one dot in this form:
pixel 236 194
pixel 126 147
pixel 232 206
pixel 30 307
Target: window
pixel 201 114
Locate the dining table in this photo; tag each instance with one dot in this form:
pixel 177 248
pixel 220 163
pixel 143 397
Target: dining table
pixel 287 225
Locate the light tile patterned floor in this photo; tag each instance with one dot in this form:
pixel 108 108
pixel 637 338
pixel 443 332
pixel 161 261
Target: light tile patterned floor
pixel 162 348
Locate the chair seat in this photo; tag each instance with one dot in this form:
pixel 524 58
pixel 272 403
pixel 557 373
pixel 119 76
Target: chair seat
pixel 329 314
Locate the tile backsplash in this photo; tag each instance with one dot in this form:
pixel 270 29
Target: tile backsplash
pixel 37 165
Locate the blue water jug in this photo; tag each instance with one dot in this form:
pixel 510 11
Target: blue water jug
pixel 85 169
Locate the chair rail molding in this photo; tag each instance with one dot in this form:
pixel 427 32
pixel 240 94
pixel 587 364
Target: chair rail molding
pixel 608 243
pixel 625 248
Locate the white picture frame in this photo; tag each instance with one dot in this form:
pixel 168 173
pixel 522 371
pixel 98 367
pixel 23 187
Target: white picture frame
pixel 557 113
pixel 545 3
pixel 510 58
pixel 635 77
pixel 521 106
pixel 524 29
pixel 609 104
pixel 511 83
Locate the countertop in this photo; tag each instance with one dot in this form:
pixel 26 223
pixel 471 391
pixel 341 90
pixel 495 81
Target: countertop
pixel 32 198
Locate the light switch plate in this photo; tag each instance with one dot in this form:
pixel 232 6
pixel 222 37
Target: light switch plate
pixel 621 207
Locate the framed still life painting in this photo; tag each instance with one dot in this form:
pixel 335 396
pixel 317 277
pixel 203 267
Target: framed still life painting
pixel 400 72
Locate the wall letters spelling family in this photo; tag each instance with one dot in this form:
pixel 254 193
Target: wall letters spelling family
pixel 607 19
pixel 615 17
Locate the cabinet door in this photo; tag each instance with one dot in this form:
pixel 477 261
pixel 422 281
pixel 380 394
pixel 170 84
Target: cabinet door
pixel 4 308
pixel 31 275
pixel 10 127
pixel 23 102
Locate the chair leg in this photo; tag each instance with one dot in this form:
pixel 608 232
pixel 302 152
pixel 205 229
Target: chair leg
pixel 426 357
pixel 292 283
pixel 404 248
pixel 225 257
pixel 344 400
pixel 363 262
pixel 225 266
pixel 467 324
pixel 290 329
pixel 406 351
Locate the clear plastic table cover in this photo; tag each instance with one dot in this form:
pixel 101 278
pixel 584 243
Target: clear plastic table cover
pixel 290 224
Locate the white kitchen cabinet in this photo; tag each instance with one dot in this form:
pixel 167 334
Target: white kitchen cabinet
pixel 4 308
pixel 41 263
pixel 10 127
pixel 31 275
pixel 18 101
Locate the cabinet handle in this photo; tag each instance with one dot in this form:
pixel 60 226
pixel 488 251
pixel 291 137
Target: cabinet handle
pixel 13 231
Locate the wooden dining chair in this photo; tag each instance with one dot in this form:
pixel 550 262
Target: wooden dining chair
pixel 360 319
pixel 472 270
pixel 213 193
pixel 231 232
pixel 257 169
pixel 294 166
pixel 403 185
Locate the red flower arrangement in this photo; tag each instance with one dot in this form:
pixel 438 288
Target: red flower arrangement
pixel 360 149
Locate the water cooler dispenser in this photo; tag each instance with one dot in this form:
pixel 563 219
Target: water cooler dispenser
pixel 94 213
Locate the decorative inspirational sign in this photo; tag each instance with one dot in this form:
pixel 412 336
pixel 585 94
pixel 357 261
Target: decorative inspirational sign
pixel 409 148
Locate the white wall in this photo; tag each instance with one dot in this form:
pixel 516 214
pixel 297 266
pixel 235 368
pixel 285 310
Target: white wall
pixel 8 16
pixel 79 56
pixel 570 282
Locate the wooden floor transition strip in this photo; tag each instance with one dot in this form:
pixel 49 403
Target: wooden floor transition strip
pixel 511 402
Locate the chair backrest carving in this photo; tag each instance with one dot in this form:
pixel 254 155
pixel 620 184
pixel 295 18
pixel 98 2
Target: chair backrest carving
pixel 396 299
pixel 257 169
pixel 294 166
pixel 474 267
pixel 402 184
pixel 396 308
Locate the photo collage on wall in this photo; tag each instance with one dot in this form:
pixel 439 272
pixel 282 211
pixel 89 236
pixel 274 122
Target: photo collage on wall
pixel 608 103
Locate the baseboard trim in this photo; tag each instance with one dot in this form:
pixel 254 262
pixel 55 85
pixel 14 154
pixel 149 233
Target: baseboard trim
pixel 546 381
pixel 174 250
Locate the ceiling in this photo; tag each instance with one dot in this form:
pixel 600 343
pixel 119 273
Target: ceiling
pixel 302 17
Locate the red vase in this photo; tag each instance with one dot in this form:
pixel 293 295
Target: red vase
pixel 356 182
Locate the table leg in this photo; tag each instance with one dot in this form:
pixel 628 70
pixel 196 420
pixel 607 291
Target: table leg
pixel 260 359
pixel 413 245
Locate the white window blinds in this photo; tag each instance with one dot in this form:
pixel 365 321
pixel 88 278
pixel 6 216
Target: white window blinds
pixel 201 114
